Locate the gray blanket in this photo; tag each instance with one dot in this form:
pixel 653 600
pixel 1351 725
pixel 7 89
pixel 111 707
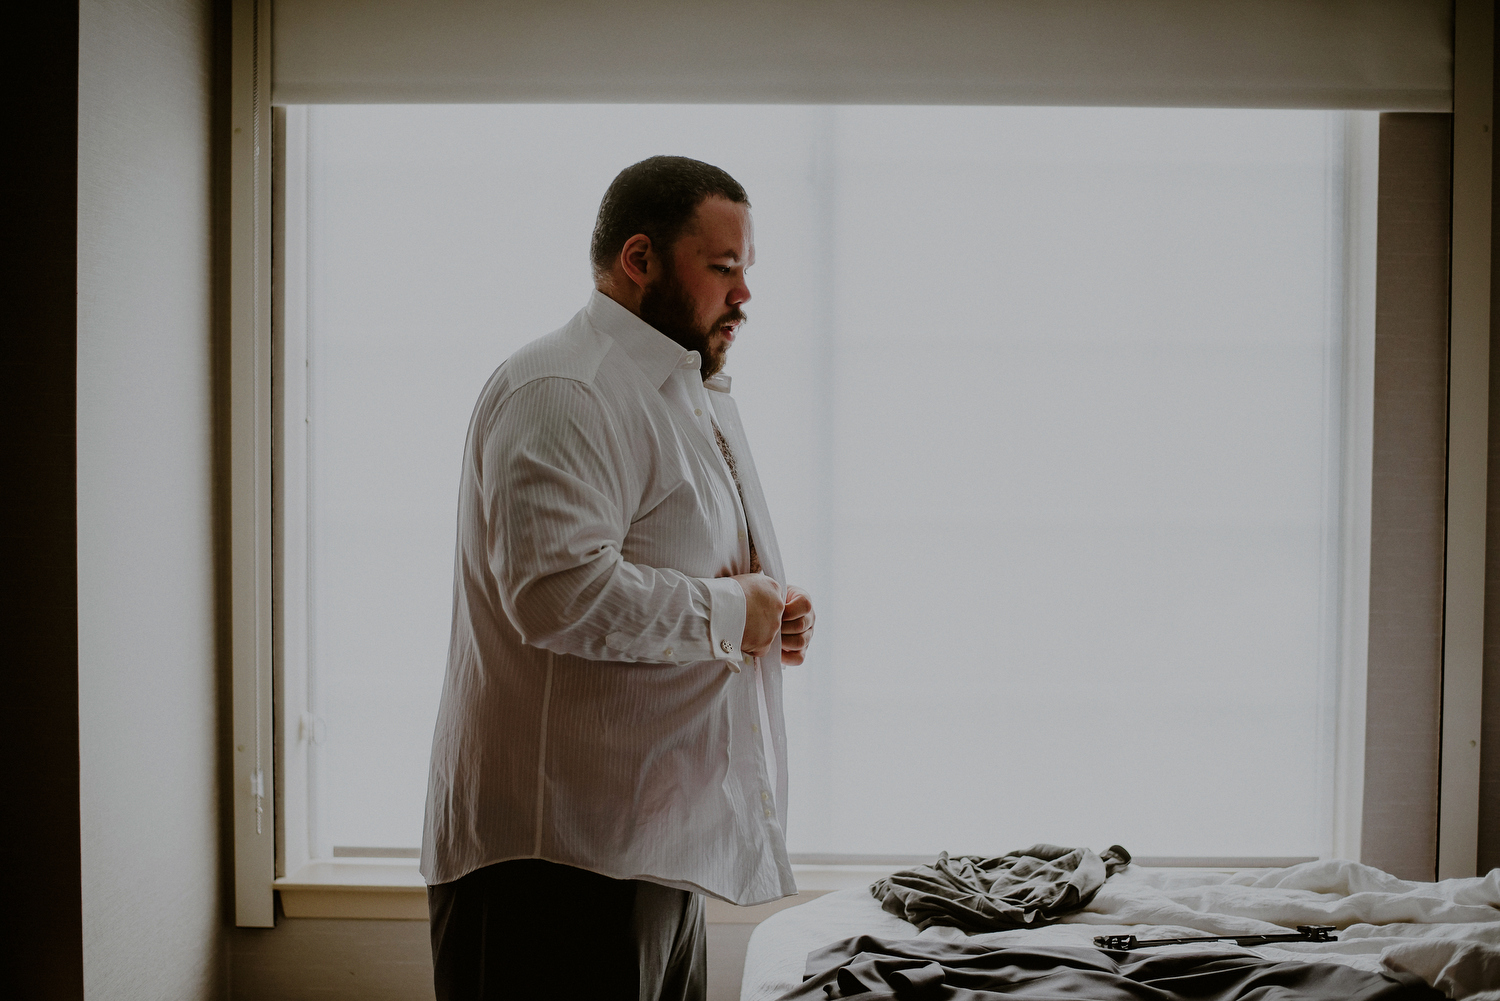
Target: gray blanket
pixel 873 969
pixel 1024 889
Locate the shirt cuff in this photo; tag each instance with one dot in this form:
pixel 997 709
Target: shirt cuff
pixel 726 620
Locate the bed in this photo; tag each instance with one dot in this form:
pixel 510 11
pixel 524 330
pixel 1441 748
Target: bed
pixel 1447 933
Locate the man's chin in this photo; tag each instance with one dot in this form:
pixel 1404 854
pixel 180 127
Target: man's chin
pixel 716 353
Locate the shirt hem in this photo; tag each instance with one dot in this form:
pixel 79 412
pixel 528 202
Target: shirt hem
pixel 676 884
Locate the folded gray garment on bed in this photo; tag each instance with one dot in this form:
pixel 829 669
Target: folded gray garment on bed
pixel 874 969
pixel 1024 889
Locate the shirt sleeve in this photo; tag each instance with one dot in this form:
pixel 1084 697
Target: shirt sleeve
pixel 557 505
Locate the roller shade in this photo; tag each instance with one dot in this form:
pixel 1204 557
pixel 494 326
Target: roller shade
pixel 1371 54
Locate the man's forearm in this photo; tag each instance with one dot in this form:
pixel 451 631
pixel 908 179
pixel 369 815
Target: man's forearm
pixel 614 610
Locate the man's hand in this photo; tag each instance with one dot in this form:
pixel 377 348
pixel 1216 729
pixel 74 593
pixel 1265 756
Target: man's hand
pixel 797 620
pixel 763 612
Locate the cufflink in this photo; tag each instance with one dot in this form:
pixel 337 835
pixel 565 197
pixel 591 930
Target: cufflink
pixel 726 646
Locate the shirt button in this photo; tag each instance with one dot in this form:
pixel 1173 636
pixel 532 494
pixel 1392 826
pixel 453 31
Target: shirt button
pixel 726 646
pixel 755 728
pixel 742 536
pixel 697 412
pixel 770 813
pixel 765 796
pixel 667 652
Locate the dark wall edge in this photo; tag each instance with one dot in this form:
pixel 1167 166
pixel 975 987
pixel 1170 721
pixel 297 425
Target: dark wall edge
pixel 43 926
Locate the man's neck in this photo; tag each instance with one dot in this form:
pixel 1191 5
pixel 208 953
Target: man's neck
pixel 627 294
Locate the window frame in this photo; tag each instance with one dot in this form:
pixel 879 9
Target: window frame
pixel 261 756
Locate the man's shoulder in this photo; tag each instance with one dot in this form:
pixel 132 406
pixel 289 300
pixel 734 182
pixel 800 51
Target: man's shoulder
pixel 574 351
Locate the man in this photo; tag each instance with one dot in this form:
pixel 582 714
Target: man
pixel 610 744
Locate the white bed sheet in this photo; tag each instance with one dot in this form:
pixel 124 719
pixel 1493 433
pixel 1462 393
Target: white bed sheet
pixel 1448 933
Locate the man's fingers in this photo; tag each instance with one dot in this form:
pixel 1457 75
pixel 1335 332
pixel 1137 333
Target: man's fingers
pixel 797 602
pixel 790 614
pixel 797 620
pixel 799 624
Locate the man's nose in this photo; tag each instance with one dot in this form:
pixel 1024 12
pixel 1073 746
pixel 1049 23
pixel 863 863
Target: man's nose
pixel 739 294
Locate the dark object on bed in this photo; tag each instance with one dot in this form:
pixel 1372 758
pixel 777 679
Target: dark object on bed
pixel 1304 933
pixel 1024 889
pixel 873 969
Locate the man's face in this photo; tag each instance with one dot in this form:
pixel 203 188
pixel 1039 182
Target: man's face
pixel 696 299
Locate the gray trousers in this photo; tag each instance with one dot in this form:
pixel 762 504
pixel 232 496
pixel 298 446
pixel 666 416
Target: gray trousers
pixel 529 929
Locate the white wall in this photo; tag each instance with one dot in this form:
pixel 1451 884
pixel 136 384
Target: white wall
pixel 147 698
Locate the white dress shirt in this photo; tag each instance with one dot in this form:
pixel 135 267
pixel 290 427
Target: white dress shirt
pixel 597 711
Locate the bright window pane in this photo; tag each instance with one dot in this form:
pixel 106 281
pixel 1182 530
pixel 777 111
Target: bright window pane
pixel 1046 403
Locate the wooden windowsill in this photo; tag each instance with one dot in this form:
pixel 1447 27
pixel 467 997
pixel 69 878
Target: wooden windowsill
pixel 393 890
pixel 355 888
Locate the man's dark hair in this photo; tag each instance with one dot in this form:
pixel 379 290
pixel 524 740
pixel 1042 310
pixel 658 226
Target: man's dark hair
pixel 657 197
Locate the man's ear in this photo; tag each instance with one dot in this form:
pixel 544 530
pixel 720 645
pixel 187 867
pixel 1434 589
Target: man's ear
pixel 637 260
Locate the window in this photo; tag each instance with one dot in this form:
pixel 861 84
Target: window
pixel 1057 410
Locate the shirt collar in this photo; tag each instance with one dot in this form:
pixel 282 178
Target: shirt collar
pixel 656 354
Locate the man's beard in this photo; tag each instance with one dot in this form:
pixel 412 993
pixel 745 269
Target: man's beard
pixel 666 306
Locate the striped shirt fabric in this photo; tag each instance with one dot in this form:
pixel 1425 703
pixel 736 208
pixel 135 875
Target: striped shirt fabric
pixel 597 711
